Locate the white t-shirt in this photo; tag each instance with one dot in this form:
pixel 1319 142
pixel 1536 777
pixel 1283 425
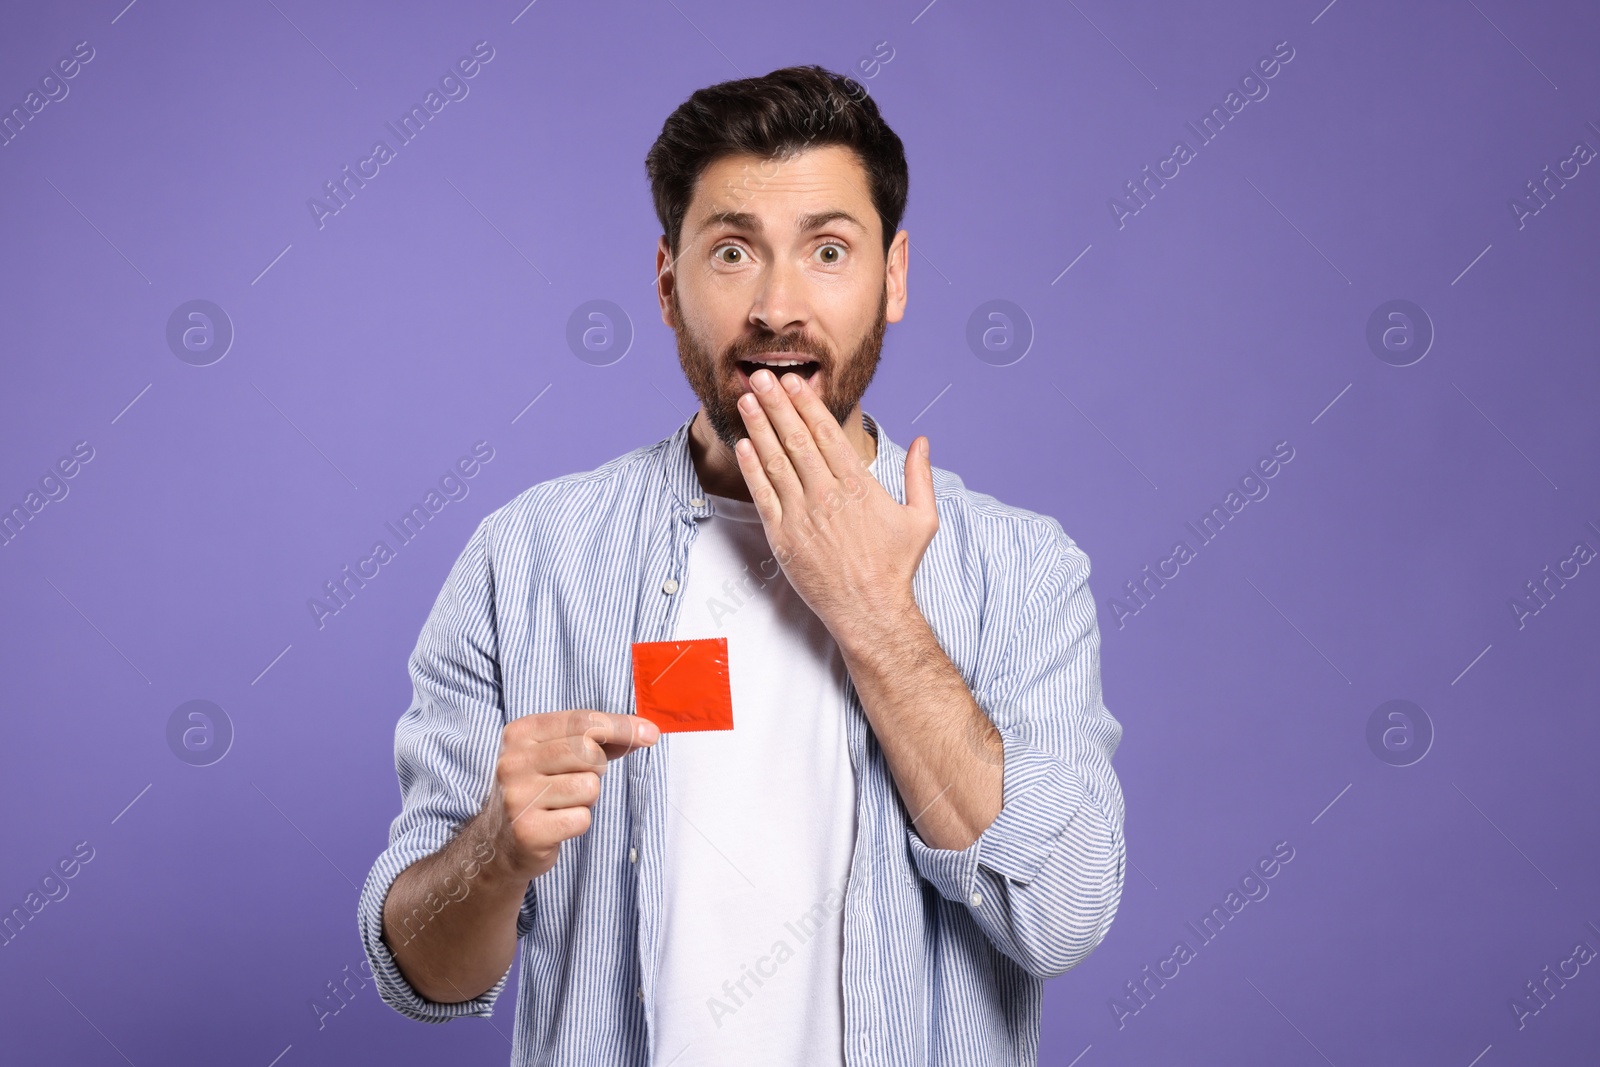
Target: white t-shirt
pixel 762 823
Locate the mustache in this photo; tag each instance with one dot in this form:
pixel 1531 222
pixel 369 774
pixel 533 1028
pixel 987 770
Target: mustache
pixel 800 345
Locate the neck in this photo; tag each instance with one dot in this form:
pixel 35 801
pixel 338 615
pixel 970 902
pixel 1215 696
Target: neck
pixel 718 468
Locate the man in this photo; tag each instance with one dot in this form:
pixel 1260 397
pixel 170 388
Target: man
pixel 913 821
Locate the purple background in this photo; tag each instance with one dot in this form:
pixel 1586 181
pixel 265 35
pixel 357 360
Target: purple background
pixel 1230 313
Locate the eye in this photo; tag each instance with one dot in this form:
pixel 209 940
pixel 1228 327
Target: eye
pixel 720 252
pixel 838 254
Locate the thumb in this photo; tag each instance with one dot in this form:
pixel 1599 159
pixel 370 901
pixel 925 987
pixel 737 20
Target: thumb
pixel 919 477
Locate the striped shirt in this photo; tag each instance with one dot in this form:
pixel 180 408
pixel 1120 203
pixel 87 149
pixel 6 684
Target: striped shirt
pixel 945 951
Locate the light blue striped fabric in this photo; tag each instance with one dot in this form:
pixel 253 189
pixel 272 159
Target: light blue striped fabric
pixel 945 951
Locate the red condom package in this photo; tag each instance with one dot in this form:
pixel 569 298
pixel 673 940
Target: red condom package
pixel 683 685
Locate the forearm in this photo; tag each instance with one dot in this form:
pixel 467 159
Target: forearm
pixel 450 919
pixel 945 755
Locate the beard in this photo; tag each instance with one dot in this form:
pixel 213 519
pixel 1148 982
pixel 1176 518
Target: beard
pixel 714 378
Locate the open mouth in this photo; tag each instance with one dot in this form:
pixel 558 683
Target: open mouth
pixel 779 366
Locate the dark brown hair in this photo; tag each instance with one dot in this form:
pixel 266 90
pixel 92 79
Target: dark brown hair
pixel 775 116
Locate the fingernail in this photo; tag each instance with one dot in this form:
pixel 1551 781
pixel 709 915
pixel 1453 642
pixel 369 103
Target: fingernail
pixel 792 382
pixel 648 732
pixel 762 379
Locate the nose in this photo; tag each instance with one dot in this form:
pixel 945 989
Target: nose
pixel 780 304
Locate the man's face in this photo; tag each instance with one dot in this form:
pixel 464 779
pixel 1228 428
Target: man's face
pixel 781 260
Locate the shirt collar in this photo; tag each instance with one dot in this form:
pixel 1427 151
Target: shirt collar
pixel 888 467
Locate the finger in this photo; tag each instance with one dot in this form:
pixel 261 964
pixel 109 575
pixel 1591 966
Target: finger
pixel 919 478
pixel 568 754
pixel 765 496
pixel 619 735
pixel 770 453
pixel 799 444
pixel 552 826
pixel 578 788
pixel 577 752
pixel 834 447
pixel 618 749
pixel 626 731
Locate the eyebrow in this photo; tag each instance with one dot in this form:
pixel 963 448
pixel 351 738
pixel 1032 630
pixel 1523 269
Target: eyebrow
pixel 744 220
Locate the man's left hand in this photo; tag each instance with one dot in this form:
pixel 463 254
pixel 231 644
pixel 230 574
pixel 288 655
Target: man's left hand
pixel 847 547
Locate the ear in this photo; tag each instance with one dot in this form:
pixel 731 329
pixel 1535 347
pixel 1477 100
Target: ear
pixel 895 267
pixel 665 279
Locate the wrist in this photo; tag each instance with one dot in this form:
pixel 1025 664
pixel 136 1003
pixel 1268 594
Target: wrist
pixel 491 843
pixel 880 630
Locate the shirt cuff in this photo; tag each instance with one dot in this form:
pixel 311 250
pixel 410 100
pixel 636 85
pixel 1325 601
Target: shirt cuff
pixel 1040 797
pixel 392 985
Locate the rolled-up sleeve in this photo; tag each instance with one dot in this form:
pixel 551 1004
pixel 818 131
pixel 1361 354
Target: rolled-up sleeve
pixel 445 748
pixel 1044 879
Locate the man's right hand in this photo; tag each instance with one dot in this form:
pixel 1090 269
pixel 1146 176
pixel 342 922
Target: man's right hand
pixel 548 777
